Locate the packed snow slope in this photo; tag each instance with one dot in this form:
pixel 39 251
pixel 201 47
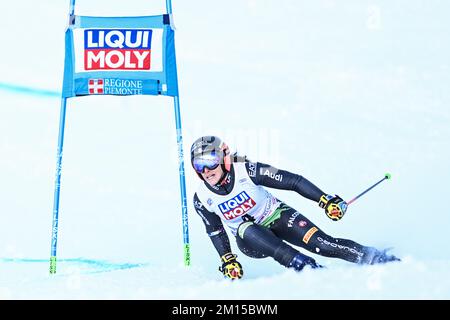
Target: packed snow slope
pixel 340 92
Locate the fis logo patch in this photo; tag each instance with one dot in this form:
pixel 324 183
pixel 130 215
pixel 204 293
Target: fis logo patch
pixel 302 223
pixel 117 49
pixel 237 206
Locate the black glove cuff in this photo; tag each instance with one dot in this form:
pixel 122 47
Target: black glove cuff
pixel 323 201
pixel 227 257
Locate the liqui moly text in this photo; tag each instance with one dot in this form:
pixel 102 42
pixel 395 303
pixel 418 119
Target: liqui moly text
pixel 117 49
pixel 237 206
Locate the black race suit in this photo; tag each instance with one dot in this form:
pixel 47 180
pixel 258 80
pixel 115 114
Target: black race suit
pixel 289 225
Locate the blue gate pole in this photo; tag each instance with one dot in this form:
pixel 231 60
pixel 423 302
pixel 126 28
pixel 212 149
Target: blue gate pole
pixel 184 212
pixel 59 154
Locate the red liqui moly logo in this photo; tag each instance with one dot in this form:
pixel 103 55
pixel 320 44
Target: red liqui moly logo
pixel 237 206
pixel 117 49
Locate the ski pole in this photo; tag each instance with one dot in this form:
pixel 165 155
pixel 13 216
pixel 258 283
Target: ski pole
pixel 387 176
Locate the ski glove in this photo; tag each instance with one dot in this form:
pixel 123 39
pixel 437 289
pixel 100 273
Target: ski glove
pixel 231 268
pixel 335 207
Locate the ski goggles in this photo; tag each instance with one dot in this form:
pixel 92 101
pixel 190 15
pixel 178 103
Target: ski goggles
pixel 210 161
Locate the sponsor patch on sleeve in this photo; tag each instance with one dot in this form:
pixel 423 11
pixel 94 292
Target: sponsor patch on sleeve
pixel 309 234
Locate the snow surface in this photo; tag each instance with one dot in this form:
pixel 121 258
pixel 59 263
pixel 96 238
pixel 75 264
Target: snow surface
pixel 340 92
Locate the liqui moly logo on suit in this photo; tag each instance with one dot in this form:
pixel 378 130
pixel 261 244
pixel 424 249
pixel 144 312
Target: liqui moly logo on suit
pixel 237 206
pixel 118 50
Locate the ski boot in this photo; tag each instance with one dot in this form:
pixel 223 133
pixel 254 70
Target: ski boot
pixel 301 260
pixel 379 256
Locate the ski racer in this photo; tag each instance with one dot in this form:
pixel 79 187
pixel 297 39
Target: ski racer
pixel 232 193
